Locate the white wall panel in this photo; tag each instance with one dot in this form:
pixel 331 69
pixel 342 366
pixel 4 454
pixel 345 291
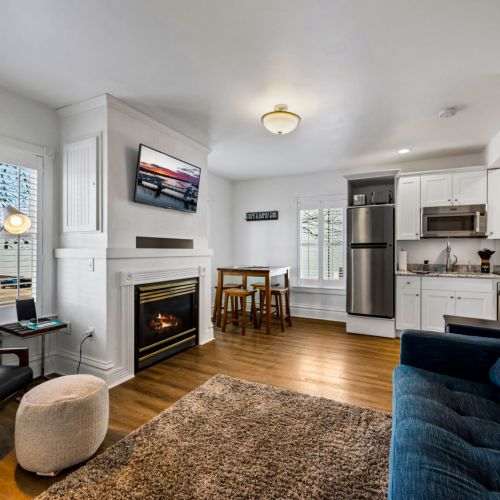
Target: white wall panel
pixel 80 174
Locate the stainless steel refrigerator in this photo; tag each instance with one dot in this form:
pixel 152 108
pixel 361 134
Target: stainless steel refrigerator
pixel 370 261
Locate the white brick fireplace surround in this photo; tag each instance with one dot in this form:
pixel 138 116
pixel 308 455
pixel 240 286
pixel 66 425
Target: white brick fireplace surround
pixel 103 298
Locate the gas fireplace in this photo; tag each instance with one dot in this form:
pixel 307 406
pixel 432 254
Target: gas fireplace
pixel 166 316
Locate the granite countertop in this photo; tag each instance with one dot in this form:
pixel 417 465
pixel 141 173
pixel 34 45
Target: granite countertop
pixel 434 274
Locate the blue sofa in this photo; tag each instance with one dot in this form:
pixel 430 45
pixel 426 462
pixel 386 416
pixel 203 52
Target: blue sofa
pixel 446 418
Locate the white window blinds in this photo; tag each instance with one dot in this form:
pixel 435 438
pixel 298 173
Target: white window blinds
pixel 321 242
pixel 18 255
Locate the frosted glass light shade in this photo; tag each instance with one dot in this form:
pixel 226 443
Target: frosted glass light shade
pixel 15 222
pixel 280 121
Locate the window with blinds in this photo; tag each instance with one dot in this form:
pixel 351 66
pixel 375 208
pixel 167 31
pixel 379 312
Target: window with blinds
pixel 321 242
pixel 18 255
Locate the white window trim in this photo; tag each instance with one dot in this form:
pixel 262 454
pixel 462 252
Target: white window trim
pixel 43 159
pixel 319 202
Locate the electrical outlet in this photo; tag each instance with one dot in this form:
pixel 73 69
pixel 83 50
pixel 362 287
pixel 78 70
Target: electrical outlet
pixel 90 331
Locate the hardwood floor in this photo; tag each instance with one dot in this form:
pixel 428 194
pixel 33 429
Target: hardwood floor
pixel 315 357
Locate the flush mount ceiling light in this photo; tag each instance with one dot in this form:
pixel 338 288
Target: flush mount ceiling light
pixel 280 121
pixel 403 151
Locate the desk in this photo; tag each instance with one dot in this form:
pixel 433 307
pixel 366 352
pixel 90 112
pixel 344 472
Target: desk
pixel 254 272
pixel 20 331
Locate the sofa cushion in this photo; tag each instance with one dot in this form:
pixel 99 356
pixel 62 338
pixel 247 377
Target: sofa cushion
pixel 446 436
pixel 13 379
pixel 495 373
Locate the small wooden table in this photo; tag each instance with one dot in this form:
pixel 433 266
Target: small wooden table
pixel 477 327
pixel 254 272
pixel 20 331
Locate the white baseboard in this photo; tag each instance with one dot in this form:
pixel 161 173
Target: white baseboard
pixel 209 335
pixel 377 327
pixel 318 312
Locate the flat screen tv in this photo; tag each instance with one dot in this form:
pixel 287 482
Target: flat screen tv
pixel 165 181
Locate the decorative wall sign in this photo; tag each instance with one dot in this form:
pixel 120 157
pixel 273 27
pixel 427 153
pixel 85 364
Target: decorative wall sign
pixel 269 215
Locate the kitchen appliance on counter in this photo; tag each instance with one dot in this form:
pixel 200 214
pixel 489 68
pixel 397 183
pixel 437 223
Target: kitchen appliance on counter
pixel 462 221
pixel 370 261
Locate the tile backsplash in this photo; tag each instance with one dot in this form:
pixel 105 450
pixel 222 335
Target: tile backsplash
pixel 434 250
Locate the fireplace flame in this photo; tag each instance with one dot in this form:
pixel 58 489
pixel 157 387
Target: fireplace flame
pixel 164 323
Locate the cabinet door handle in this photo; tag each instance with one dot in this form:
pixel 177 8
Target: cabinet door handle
pixel 418 295
pixel 459 298
pixel 449 199
pixel 452 297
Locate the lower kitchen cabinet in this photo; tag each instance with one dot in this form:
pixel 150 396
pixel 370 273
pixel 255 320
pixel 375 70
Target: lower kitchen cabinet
pixel 474 305
pixel 408 310
pixel 435 304
pixel 423 308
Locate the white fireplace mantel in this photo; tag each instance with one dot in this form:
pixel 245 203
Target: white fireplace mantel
pixel 96 288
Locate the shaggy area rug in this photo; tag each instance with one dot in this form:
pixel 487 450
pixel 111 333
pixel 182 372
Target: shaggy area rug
pixel 234 439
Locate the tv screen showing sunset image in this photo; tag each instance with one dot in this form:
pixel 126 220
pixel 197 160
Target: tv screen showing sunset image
pixel 165 181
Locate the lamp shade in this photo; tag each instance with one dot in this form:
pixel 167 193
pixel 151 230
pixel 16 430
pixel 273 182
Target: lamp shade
pixel 280 121
pixel 15 222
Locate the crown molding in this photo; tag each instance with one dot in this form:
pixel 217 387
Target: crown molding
pixel 109 101
pixel 82 107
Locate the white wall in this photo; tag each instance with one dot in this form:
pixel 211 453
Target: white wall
pixel 220 230
pixel 127 128
pixel 274 242
pixel 27 120
pixel 33 123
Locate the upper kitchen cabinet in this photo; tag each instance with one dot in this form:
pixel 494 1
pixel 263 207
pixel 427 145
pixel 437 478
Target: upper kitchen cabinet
pixel 408 208
pixel 494 204
pixel 436 190
pixel 460 188
pixel 470 187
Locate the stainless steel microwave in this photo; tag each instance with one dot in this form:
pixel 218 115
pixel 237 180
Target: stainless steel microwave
pixel 462 221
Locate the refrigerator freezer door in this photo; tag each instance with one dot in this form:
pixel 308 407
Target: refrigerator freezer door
pixel 370 281
pixel 370 225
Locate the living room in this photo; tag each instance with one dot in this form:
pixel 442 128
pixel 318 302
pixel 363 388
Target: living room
pixel 250 250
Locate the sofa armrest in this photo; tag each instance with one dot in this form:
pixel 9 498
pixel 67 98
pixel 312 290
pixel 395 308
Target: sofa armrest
pixel 455 355
pixel 21 352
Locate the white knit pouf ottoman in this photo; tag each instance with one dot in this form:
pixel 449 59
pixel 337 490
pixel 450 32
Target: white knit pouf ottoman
pixel 61 422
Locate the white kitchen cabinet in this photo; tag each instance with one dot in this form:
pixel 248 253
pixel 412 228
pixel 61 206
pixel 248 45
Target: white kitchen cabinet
pixel 494 204
pixel 408 208
pixel 435 304
pixel 470 187
pixel 407 307
pixel 436 190
pixel 474 305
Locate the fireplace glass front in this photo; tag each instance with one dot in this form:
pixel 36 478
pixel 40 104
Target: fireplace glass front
pixel 166 320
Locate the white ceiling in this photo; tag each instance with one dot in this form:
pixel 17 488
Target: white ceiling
pixel 367 76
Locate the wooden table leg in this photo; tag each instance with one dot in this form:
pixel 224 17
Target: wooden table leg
pixel 268 304
pixel 218 299
pixel 287 299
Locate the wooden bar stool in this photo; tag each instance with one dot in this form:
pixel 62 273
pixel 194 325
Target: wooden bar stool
pixel 226 286
pixel 282 304
pixel 234 294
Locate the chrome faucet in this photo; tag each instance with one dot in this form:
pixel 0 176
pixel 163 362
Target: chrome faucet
pixel 450 263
